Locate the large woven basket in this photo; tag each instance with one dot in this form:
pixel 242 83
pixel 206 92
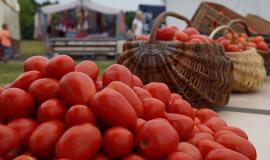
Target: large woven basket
pixel 248 67
pixel 201 73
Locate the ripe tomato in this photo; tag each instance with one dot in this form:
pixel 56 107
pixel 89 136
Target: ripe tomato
pixel 226 43
pixel 151 137
pixel 257 39
pixel 139 123
pixel 58 66
pixel 141 93
pixel 142 37
pixel 52 109
pixel 174 97
pixel 197 120
pixel 165 33
pixel 44 89
pixel 199 137
pixel 112 108
pixel 236 130
pixel 205 114
pixel 80 142
pixel 179 156
pixel 14 103
pixel 79 114
pixel 204 129
pixel 36 63
pixel 225 154
pixel 153 108
pixel 1 90
pixel 117 142
pixel 99 85
pixel 183 125
pixel 130 96
pixel 262 46
pixel 233 48
pixel 190 150
pixel 215 123
pixel 205 146
pixel 181 36
pixel 238 144
pixel 24 157
pixel 10 142
pixel 88 67
pixel 221 132
pixel 136 81
pixel 160 91
pixel 24 127
pixel 76 88
pixel 25 80
pixel 117 72
pixel 44 138
pixel 133 157
pixel 100 156
pixel 191 31
pixel 195 130
pixel 180 106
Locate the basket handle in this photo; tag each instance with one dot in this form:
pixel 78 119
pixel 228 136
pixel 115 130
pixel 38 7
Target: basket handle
pixel 220 28
pixel 160 19
pixel 241 22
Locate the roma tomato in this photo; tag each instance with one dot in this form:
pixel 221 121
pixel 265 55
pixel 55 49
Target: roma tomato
pixel 160 91
pixel 1 90
pixel 195 130
pixel 112 108
pixel 76 88
pixel 43 139
pixel 86 135
pixel 199 137
pixel 190 150
pixel 153 108
pixel 221 132
pixel 88 67
pixel 130 96
pixel 99 85
pixel 136 81
pixel 181 36
pixel 142 93
pixel 179 156
pixel 257 39
pixel 139 123
pixel 236 130
pixel 10 142
pixel 100 156
pixel 183 124
pixel 191 31
pixel 215 123
pixel 24 157
pixel 205 146
pixel 181 106
pixel 25 80
pixel 133 157
pixel 117 142
pixel 79 114
pixel 24 127
pixel 262 46
pixel 205 114
pixel 15 103
pixel 238 144
pixel 117 72
pixel 165 33
pixel 58 66
pixel 44 89
pixel 36 63
pixel 174 97
pixel 142 37
pixel 197 120
pixel 156 139
pixel 224 154
pixel 52 109
pixel 204 129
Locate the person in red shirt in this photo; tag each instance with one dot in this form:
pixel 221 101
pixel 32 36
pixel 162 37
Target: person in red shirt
pixel 6 42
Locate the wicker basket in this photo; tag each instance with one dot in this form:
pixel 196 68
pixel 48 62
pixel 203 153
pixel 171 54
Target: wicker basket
pixel 248 67
pixel 201 73
pixel 211 15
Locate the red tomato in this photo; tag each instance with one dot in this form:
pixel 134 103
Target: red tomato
pixel 142 37
pixel 58 66
pixel 160 91
pixel 203 38
pixel 179 156
pixel 262 46
pixel 199 137
pixel 99 85
pixel 224 154
pixel 238 144
pixel 117 142
pixel 205 146
pixel 24 157
pixel 215 123
pixel 79 114
pixel 257 39
pixel 191 31
pixel 165 33
pixel 130 96
pixel 139 123
pixel 183 125
pixel 25 80
pixel 24 127
pixel 100 156
pixel 236 130
pixel 180 106
pixel 190 150
pixel 1 90
pixel 52 109
pixel 76 88
pixel 14 103
pixel 205 114
pixel 10 142
pixel 112 108
pixel 197 120
pixel 156 139
pixel 195 130
pixel 226 43
pixel 174 97
pixel 195 40
pixel 80 142
pixel 44 89
pixel 117 72
pixel 233 48
pixel 88 67
pixel 221 132
pixel 153 108
pixel 181 36
pixel 142 93
pixel 136 81
pixel 133 157
pixel 44 138
pixel 36 63
pixel 204 129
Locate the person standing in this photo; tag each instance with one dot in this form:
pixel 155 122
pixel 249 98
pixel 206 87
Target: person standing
pixel 137 24
pixel 6 42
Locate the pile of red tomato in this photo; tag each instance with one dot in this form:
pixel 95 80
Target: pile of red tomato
pixel 59 110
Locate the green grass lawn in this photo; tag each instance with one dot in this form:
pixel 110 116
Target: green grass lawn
pixel 32 47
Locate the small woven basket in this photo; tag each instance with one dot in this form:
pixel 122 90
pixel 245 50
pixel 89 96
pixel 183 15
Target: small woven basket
pixel 248 67
pixel 201 73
